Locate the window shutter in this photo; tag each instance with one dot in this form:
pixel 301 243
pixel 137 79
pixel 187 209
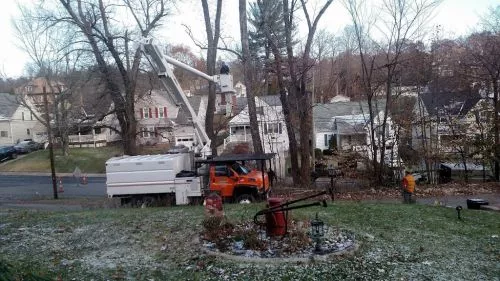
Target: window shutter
pixel 280 129
pixel 142 113
pixel 156 112
pixel 165 112
pixel 150 113
pixel 265 128
pixel 326 140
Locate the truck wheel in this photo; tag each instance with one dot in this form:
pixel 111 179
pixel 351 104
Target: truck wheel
pixel 245 199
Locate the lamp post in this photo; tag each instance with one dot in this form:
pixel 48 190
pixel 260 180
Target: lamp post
pixel 317 232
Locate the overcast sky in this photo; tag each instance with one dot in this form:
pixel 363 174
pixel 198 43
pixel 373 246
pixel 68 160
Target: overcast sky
pixel 457 17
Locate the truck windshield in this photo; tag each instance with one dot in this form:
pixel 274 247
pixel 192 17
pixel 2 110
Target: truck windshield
pixel 241 170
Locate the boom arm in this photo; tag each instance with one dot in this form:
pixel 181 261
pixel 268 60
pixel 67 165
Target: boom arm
pixel 159 62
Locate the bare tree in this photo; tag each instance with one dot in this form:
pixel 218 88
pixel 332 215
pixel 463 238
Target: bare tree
pixel 96 25
pixel 249 77
pixel 483 55
pixel 213 35
pixel 401 21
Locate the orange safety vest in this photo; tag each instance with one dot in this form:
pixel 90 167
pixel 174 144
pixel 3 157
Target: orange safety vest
pixel 409 183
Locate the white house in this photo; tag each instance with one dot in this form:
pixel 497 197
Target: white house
pixel 272 128
pixel 17 122
pixel 345 126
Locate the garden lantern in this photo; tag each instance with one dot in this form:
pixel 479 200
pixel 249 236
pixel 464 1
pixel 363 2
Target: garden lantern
pixel 317 232
pixel 459 208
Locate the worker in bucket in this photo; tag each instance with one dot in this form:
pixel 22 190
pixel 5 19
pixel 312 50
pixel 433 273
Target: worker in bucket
pixel 224 69
pixel 408 187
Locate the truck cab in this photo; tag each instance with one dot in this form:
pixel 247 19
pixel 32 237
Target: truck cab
pixel 238 183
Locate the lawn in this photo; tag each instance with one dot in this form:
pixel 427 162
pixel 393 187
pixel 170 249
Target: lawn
pixel 89 160
pixel 397 242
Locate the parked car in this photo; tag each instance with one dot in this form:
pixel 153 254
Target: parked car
pixel 39 145
pixel 26 146
pixel 7 152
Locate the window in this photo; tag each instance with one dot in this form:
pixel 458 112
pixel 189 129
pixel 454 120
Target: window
pixel 485 115
pixel 273 128
pixel 22 116
pixel 3 134
pixel 260 110
pixel 221 171
pixel 146 133
pixel 161 111
pixel 31 115
pixel 326 140
pixel 29 89
pixel 28 132
pixel 145 113
pixel 223 99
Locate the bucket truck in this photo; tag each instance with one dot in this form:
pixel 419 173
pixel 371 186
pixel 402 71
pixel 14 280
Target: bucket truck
pixel 148 178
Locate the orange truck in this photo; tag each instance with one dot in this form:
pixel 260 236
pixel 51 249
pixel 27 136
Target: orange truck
pixel 228 176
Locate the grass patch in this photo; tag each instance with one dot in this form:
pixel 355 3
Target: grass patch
pixel 398 242
pixel 89 160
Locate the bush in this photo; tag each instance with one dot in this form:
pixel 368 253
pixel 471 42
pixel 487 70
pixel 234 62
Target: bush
pixel 328 152
pixel 318 154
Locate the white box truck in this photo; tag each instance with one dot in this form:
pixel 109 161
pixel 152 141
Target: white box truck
pixel 152 179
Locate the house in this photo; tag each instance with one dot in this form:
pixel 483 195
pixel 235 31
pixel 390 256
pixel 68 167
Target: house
pixel 345 126
pixel 160 121
pixel 18 122
pixel 272 128
pixel 240 90
pixel 450 116
pixel 37 88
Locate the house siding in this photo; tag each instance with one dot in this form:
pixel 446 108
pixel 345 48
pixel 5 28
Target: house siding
pixel 17 128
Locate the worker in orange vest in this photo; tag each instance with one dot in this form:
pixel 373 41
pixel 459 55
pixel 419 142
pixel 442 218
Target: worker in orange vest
pixel 408 187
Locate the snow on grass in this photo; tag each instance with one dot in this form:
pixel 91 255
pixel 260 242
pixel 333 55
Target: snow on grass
pixel 398 242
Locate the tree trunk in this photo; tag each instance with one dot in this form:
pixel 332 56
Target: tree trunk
pixel 249 74
pixel 212 42
pixel 496 129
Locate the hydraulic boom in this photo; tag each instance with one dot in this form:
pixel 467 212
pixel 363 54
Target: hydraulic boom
pixel 160 63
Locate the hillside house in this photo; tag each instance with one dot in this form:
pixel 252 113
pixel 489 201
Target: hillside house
pixel 345 126
pixel 38 87
pixel 450 117
pixel 17 122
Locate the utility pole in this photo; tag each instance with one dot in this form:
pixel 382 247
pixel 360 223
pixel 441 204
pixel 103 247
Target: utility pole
pixel 51 149
pixel 313 99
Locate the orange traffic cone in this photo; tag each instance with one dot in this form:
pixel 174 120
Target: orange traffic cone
pixel 61 187
pixel 84 180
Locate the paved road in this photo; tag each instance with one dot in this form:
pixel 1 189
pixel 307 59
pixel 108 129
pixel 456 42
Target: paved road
pixel 27 187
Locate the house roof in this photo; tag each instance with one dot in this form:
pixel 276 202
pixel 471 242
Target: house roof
pixel 195 102
pixel 241 102
pixel 348 115
pixel 456 104
pixel 8 105
pixel 272 100
pixel 38 84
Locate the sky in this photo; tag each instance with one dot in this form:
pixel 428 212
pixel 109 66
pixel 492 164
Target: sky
pixel 456 18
